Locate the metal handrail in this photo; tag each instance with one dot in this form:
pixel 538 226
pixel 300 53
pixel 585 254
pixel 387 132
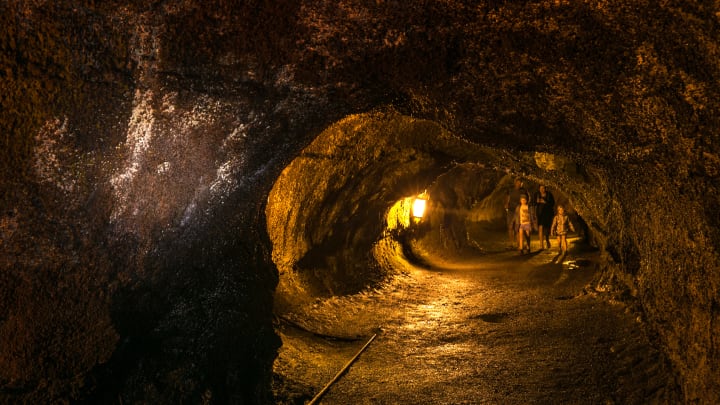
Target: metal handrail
pixel 340 373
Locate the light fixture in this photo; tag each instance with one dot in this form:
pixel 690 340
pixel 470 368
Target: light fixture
pixel 419 207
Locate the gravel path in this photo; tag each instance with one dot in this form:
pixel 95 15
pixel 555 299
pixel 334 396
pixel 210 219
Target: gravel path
pixel 495 328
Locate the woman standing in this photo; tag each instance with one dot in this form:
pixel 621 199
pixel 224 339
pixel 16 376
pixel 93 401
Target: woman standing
pixel 544 206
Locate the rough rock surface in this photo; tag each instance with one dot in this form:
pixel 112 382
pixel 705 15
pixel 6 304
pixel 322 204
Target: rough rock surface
pixel 140 141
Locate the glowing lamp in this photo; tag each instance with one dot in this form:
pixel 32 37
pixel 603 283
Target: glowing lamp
pixel 418 207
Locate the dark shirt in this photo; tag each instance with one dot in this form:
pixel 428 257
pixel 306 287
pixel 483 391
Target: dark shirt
pixel 546 209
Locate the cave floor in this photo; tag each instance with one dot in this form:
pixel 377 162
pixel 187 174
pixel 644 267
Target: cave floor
pixel 492 328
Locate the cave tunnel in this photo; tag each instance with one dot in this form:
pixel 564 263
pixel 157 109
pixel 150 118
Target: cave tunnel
pixel 342 220
pixel 212 202
pixel 355 184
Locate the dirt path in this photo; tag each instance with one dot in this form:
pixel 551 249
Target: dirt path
pixel 497 328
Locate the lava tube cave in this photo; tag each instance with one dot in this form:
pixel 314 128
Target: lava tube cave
pixel 219 202
pixel 356 259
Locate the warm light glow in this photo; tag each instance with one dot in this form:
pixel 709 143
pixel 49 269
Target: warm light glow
pixel 398 217
pixel 418 208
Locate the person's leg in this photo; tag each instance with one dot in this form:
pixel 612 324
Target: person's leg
pixel 547 235
pixel 564 243
pixel 559 241
pixel 527 232
pixel 510 226
pixel 541 237
pixel 519 238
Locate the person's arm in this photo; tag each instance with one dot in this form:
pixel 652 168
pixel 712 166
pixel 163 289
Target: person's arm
pixel 554 225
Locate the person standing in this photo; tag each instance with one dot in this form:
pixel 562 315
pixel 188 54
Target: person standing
pixel 544 209
pixel 524 221
pixel 560 226
pixel 512 201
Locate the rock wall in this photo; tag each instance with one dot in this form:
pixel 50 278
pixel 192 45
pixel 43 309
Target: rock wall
pixel 141 140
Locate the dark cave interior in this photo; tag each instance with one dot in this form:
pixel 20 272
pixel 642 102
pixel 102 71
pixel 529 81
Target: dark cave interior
pixel 176 173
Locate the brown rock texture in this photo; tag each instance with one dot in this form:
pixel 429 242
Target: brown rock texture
pixel 140 141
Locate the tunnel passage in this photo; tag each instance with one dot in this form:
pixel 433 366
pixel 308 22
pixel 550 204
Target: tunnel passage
pixel 629 90
pixel 466 214
pixel 334 213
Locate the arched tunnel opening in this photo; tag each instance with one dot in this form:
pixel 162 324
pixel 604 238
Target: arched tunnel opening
pixel 330 206
pixel 352 190
pixel 344 223
pixel 348 197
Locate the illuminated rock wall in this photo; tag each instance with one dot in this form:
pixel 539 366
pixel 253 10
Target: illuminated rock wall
pixel 140 142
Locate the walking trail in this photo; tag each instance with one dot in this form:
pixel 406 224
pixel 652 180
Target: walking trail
pixel 487 329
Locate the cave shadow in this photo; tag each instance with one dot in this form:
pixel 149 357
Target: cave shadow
pixel 558 258
pixel 515 256
pixel 412 257
pixel 550 270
